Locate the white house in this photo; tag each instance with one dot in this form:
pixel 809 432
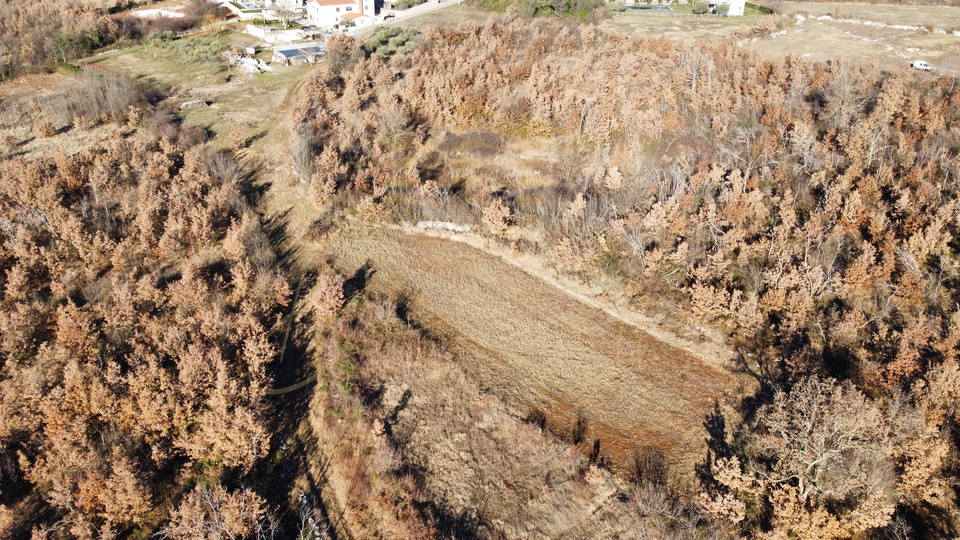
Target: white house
pixel 356 19
pixel 331 12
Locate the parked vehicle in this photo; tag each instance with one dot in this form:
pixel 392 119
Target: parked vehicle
pixel 921 65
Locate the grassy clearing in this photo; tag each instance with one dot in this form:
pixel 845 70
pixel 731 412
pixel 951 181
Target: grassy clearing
pixel 446 17
pixel 165 66
pixel 248 103
pixel 886 48
pixel 239 101
pixel 544 351
pixel 678 27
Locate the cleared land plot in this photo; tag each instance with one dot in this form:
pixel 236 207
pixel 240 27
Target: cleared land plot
pixel 541 349
pixel 887 48
pixel 239 101
pixel 944 17
pixel 448 17
pixel 864 34
pixel 678 25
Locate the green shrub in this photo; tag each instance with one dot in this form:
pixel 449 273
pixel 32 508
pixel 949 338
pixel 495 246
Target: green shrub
pixel 388 41
pixel 406 4
pixel 161 39
pixel 699 8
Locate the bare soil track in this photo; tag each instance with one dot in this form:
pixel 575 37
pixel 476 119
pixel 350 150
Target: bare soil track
pixel 542 350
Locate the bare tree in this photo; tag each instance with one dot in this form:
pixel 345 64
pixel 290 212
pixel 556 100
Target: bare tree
pixel 286 11
pixel 823 445
pixel 818 435
pixel 213 513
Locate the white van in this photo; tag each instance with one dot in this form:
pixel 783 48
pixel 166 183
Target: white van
pixel 921 65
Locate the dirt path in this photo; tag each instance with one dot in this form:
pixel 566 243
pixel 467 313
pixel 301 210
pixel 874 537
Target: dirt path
pixel 540 349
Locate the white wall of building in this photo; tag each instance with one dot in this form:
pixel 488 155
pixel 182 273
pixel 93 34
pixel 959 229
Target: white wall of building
pixel 362 21
pixel 328 13
pixel 736 8
pixel 156 13
pixel 292 4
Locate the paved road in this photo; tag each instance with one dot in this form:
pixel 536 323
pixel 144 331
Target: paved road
pixel 427 7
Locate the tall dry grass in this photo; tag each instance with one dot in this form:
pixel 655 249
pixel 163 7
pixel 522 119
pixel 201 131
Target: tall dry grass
pixel 410 432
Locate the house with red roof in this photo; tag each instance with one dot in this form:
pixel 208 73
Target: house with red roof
pixel 345 12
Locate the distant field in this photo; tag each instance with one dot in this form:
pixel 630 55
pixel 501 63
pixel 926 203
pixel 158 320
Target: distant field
pixel 447 17
pixel 887 48
pixel 677 26
pixel 539 348
pixel 945 17
pixel 877 43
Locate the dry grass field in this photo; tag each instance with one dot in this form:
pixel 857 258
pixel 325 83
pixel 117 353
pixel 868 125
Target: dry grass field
pixel 488 473
pixel 446 17
pixel 943 17
pixel 21 110
pixel 542 350
pixel 677 26
pixel 866 37
pixel 883 46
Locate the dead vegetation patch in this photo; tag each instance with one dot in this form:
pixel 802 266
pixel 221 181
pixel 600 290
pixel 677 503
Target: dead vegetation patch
pixel 429 441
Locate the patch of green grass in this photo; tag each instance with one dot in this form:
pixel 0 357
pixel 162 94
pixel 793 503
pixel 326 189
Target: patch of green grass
pixel 390 40
pixel 756 9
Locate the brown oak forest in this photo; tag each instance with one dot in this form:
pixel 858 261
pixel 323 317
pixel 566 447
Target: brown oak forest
pixel 140 303
pixel 806 213
pixel 809 210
